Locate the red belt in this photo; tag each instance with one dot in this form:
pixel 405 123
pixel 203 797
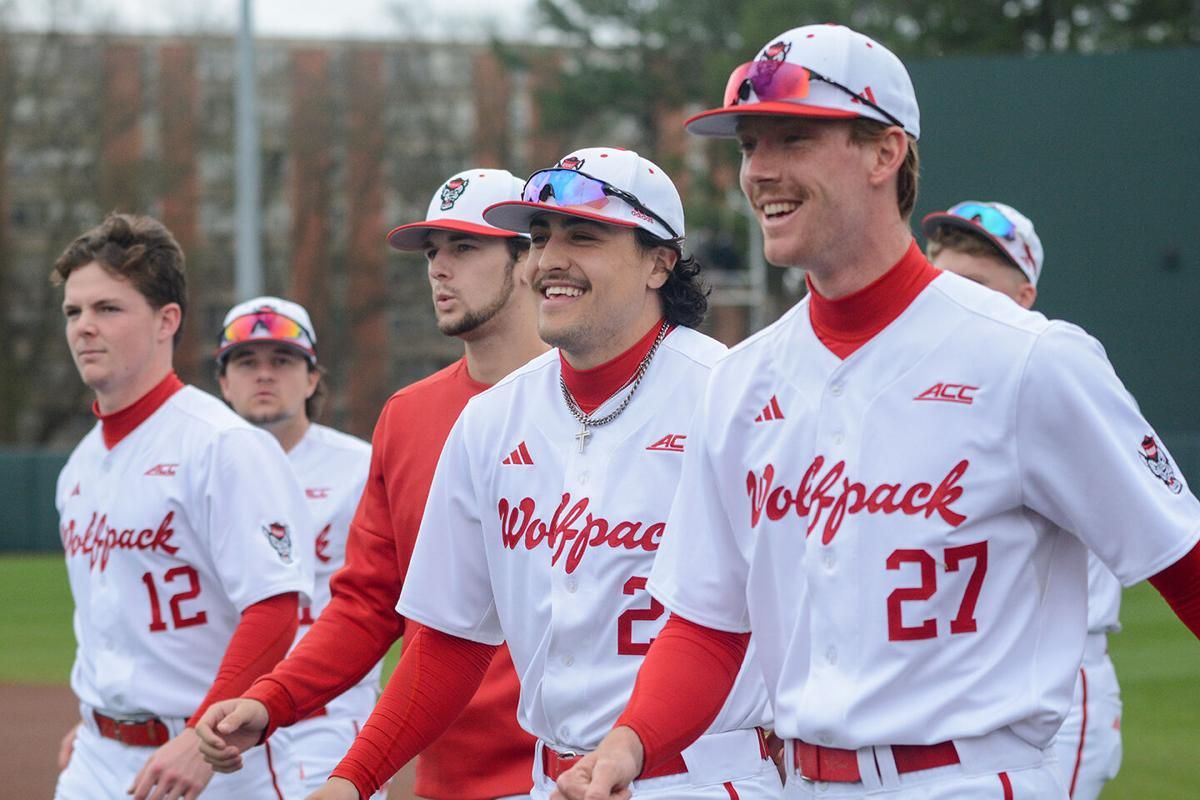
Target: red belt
pixel 555 764
pixel 818 763
pixel 139 733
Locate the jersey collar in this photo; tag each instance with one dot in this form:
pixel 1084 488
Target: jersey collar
pixel 119 424
pixel 846 324
pixel 591 387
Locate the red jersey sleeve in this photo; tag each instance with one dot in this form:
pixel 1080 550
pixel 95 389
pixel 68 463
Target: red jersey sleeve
pixel 432 684
pixel 681 686
pixel 360 622
pixel 262 637
pixel 1179 584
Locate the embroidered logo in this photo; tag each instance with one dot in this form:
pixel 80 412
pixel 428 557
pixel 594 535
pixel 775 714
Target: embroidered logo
pixel 100 539
pixel 671 443
pixel 771 411
pixel 520 456
pixel 453 190
pixel 317 493
pixel 75 491
pixel 572 530
pixel 831 491
pixel 571 162
pixel 162 470
pixel 1158 463
pixel 280 540
pixel 322 549
pixel 949 393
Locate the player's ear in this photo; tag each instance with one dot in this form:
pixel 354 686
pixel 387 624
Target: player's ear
pixel 664 260
pixel 169 317
pixel 885 154
pixel 1027 295
pixel 314 377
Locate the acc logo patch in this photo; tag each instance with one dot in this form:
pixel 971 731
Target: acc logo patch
pixel 1158 463
pixel 452 191
pixel 280 539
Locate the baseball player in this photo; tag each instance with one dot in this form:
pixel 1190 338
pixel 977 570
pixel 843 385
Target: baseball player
pixel 267 368
pixel 996 246
pixel 894 486
pixel 550 497
pixel 481 295
pixel 184 531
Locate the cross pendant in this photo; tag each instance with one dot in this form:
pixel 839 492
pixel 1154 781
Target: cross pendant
pixel 582 436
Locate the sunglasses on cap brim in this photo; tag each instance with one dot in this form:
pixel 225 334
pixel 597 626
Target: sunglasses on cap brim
pixel 265 325
pixel 987 218
pixel 780 80
pixel 571 188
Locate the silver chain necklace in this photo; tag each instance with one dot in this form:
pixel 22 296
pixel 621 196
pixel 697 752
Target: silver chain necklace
pixel 585 420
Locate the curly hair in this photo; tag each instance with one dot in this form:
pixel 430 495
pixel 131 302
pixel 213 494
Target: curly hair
pixel 685 294
pixel 136 248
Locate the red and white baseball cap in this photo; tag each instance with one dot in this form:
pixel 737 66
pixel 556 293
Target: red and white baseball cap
pixel 822 71
pixel 605 184
pixel 1008 229
pixel 458 205
pixel 268 319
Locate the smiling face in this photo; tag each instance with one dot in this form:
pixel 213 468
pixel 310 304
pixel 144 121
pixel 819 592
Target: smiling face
pixel 267 383
pixel 120 344
pixel 597 289
pixel 472 281
pixel 807 183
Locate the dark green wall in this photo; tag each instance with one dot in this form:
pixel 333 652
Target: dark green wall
pixel 1103 154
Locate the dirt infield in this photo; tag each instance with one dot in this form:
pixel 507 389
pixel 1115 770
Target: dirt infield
pixel 38 718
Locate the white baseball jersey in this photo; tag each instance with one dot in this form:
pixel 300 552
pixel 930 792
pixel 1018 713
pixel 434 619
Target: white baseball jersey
pixel 526 538
pixel 332 469
pixel 190 519
pixel 1104 598
pixel 904 530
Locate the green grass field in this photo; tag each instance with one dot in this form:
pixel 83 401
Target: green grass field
pixel 1157 659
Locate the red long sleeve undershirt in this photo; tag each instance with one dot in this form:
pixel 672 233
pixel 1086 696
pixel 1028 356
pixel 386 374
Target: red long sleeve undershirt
pixel 260 640
pixel 1179 584
pixel 433 682
pixel 681 686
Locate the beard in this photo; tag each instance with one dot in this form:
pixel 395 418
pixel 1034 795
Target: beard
pixel 266 420
pixel 474 318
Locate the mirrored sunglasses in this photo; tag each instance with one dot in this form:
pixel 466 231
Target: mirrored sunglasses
pixel 987 218
pixel 571 188
pixel 773 80
pixel 264 325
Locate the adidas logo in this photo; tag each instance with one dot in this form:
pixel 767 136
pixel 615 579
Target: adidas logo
pixel 519 456
pixel 771 411
pixel 162 470
pixel 75 491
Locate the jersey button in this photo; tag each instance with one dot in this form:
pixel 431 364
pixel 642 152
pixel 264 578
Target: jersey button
pixel 831 655
pixel 830 560
pixel 836 390
pixel 571 585
pixel 582 479
pixel 568 660
pixel 839 437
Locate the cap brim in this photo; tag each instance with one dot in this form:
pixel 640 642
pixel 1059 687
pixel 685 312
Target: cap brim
pixel 722 122
pixel 413 235
pixel 515 215
pixel 931 222
pixel 223 352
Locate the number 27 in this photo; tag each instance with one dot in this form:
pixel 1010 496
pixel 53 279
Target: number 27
pixel 964 621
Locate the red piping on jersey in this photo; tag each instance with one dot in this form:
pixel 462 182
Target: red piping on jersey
pixel 1006 785
pixel 119 424
pixel 681 686
pixel 274 777
pixel 1179 584
pixel 1082 734
pixel 846 324
pixel 591 387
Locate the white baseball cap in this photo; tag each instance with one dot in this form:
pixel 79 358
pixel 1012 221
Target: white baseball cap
pixel 458 205
pixel 268 319
pixel 1008 229
pixel 605 184
pixel 822 71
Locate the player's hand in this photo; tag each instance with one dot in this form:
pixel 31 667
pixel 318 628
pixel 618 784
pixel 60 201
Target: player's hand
pixel 335 789
pixel 606 773
pixel 67 747
pixel 229 728
pixel 176 771
pixel 776 751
